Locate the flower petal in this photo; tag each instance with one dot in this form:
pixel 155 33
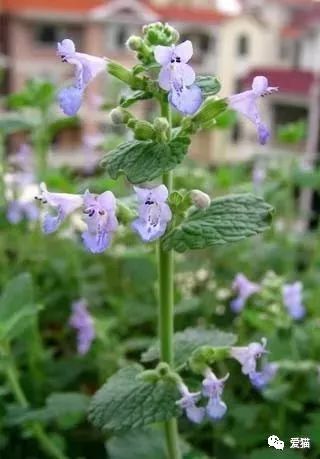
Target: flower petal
pixel 96 242
pixel 216 408
pixel 187 101
pixel 260 85
pixel 184 51
pixel 70 100
pixel 66 48
pixel 165 78
pixel 163 54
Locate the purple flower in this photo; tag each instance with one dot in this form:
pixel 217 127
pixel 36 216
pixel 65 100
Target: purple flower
pixel 87 67
pixel 23 158
pixel 292 299
pixel 247 355
pixel 188 403
pixel 246 104
pixel 245 289
pixel 100 216
pixel 154 213
pixel 82 322
pixel 62 204
pixel 212 387
pixel 259 379
pixel 19 210
pixel 177 77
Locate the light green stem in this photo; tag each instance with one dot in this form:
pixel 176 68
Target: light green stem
pixel 37 429
pixel 2 169
pixel 166 312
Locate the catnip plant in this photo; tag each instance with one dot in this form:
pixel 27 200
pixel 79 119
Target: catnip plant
pixel 169 221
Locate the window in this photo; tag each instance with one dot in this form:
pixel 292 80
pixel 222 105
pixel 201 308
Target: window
pixel 47 34
pixel 243 46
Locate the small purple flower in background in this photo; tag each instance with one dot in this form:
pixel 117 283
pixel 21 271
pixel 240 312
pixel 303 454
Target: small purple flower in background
pixel 259 379
pixel 83 323
pixel 154 212
pixel 292 299
pixel 87 67
pixel 188 403
pixel 212 387
pixel 245 289
pixel 247 355
pixel 259 175
pixel 246 103
pixel 23 158
pixel 101 220
pixel 63 204
pixel 19 210
pixel 177 77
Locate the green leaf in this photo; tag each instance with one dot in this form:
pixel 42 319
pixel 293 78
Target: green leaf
pixel 17 293
pixel 208 84
pixel 228 219
pixel 127 401
pixel 142 444
pixel 143 161
pixel 13 122
pixel 36 93
pixel 136 96
pixel 187 341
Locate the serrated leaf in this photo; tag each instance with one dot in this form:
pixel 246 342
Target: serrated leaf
pixel 208 84
pixel 187 341
pixel 128 402
pixel 142 444
pixel 143 161
pixel 135 97
pixel 228 219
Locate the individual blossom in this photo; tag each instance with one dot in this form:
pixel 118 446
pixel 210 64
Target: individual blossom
pixel 247 356
pixel 154 212
pixel 101 220
pixel 23 158
pixel 178 77
pixel 19 210
pixel 212 387
pixel 259 379
pixel 246 103
pixel 87 67
pixel 292 299
pixel 83 323
pixel 244 289
pixel 188 404
pixel 60 206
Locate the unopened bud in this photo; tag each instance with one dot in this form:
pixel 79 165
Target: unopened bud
pixel 143 130
pixel 209 110
pixel 200 199
pixel 134 43
pixel 120 116
pixel 161 124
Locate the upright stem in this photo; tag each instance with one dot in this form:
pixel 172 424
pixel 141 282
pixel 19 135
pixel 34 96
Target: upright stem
pixel 38 432
pixel 166 311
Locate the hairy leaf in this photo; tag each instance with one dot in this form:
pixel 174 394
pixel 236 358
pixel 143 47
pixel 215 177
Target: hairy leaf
pixel 208 84
pixel 187 341
pixel 135 97
pixel 228 219
pixel 142 444
pixel 127 401
pixel 143 161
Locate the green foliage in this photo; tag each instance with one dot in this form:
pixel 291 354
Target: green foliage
pixel 208 84
pixel 136 96
pixel 142 444
pixel 13 122
pixel 142 161
pixel 37 93
pixel 127 401
pixel 186 342
pixel 292 133
pixel 228 219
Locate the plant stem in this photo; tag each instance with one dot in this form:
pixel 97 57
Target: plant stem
pixel 46 444
pixel 166 311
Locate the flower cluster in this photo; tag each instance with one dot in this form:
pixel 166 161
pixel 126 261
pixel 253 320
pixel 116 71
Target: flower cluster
pixel 100 218
pixel 244 289
pixel 292 299
pixel 83 323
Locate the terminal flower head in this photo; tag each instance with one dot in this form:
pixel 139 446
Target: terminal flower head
pixel 246 103
pixel 87 67
pixel 247 355
pixel 178 77
pixel 62 205
pixel 292 299
pixel 188 403
pixel 154 212
pixel 259 379
pixel 83 323
pixel 101 220
pixel 212 387
pixel 244 288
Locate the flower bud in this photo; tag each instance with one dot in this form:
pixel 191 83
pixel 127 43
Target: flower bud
pixel 134 43
pixel 161 125
pixel 209 110
pixel 200 199
pixel 120 116
pixel 123 74
pixel 143 130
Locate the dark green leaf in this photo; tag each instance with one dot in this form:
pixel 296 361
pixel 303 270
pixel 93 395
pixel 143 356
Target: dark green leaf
pixel 209 85
pixel 16 294
pixel 135 97
pixel 186 342
pixel 228 219
pixel 142 444
pixel 127 401
pixel 143 161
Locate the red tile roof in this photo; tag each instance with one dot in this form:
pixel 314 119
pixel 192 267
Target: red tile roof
pixel 50 5
pixel 190 14
pixel 289 81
